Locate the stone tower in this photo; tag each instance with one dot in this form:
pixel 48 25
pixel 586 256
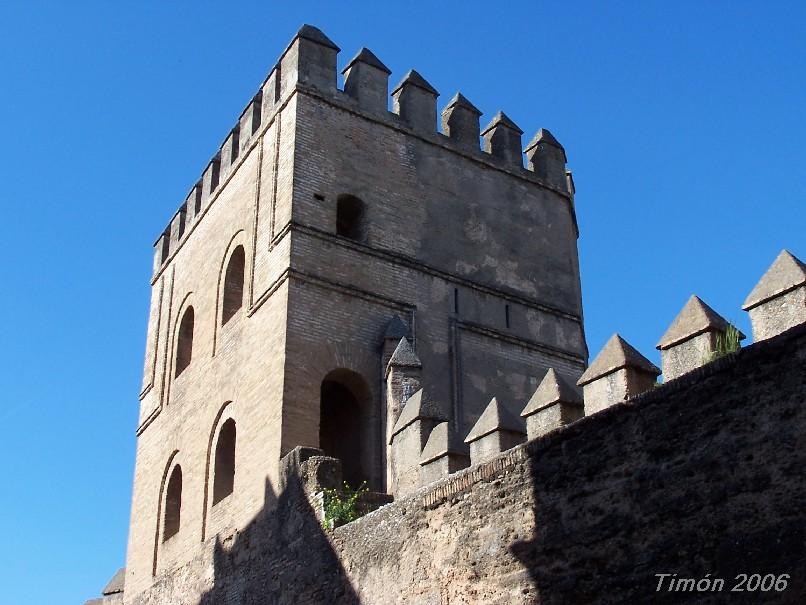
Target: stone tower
pixel 325 231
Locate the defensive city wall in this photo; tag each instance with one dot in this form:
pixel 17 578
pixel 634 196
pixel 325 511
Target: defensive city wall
pixel 697 477
pixel 350 294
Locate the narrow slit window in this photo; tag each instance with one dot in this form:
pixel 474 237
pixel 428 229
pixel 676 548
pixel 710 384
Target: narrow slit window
pixel 184 341
pixel 224 469
pixel 506 315
pixel 456 300
pixel 173 504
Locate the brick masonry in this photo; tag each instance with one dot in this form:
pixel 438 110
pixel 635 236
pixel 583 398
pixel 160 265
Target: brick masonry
pixel 478 256
pixel 700 476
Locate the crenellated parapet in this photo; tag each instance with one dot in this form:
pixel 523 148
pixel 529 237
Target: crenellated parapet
pixel 309 63
pixel 618 374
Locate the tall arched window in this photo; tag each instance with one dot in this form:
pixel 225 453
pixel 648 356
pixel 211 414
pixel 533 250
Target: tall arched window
pixel 184 341
pixel 173 504
pixel 350 217
pixel 224 469
pixel 233 285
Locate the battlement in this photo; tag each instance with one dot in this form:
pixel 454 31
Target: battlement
pixel 424 444
pixel 309 64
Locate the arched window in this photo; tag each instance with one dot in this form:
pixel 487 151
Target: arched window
pixel 224 469
pixel 184 341
pixel 350 217
pixel 233 285
pixel 173 504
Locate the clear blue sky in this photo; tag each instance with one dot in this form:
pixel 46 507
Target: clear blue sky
pixel 683 122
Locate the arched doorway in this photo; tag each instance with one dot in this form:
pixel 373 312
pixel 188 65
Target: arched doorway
pixel 343 424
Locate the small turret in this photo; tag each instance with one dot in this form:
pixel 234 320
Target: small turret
pixel 691 340
pixel 496 431
pixel 403 379
pixel 309 59
pixel 778 302
pixel 502 140
pixel 366 79
pixel 460 122
pixel 546 158
pixel 618 373
pixel 555 403
pixel 415 101
pixel 403 375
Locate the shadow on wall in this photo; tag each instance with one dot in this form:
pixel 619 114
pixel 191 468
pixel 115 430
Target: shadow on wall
pixel 700 479
pixel 283 557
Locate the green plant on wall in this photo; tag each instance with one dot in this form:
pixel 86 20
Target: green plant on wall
pixel 727 342
pixel 341 507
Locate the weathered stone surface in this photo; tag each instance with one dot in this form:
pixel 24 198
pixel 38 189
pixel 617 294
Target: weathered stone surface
pixel 694 318
pixel 418 407
pixel 368 57
pixel 691 339
pixel 785 273
pixel 615 355
pixel 555 403
pixel 618 373
pixel 404 356
pixel 497 430
pixel 415 101
pixel 438 241
pixel 418 417
pixel 366 79
pixel 460 122
pixel 554 388
pixel 444 453
pixel 701 476
pixel 546 158
pixel 778 302
pixel 502 140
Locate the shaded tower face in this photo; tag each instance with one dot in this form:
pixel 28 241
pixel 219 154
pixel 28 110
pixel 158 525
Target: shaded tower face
pixel 323 220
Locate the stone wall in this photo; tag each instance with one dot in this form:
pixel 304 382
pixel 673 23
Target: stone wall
pixel 701 476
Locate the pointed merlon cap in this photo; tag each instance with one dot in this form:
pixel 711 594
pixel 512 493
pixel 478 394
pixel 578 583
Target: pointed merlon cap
pixel 314 34
pixel 695 318
pixel 786 273
pixel 615 355
pixel 396 328
pixel 412 78
pixel 495 417
pixel 417 407
pixel 503 120
pixel 116 584
pixel 441 442
pixel 544 136
pixel 365 55
pixel 404 356
pixel 554 388
pixel 459 100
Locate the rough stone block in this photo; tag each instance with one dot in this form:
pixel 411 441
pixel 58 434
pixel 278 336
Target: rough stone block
pixel 778 302
pixel 618 373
